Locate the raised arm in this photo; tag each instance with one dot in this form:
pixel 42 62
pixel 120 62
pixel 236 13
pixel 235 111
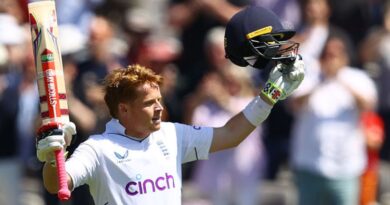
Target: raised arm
pixel 237 128
pixel 283 80
pixel 52 137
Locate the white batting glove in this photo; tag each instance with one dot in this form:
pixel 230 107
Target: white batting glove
pixel 53 136
pixel 283 80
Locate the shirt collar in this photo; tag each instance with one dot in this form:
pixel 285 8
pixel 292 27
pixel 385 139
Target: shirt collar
pixel 113 126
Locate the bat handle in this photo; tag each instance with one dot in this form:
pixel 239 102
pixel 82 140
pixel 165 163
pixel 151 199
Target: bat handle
pixel 63 192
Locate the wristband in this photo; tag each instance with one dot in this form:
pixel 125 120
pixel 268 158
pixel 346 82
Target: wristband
pixel 272 92
pixel 257 111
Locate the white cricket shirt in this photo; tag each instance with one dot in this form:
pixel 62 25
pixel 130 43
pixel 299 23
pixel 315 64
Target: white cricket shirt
pixel 123 171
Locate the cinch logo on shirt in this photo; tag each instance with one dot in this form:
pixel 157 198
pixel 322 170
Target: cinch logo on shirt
pixel 150 185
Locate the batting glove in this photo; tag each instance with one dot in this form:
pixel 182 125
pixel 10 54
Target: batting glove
pixel 283 80
pixel 53 136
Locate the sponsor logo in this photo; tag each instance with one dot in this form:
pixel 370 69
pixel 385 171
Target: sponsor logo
pixel 51 86
pixel 50 80
pixel 140 187
pixel 122 157
pixel 272 91
pixel 196 127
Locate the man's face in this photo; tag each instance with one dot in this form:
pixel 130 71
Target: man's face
pixel 144 113
pixel 334 57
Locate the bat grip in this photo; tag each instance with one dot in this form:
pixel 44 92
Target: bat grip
pixel 63 192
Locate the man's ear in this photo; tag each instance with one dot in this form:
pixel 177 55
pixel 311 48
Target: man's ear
pixel 123 108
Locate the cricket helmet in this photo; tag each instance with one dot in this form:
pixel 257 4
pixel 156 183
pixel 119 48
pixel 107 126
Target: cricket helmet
pixel 255 36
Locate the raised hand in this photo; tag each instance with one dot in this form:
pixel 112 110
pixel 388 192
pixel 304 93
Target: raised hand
pixel 53 136
pixel 283 80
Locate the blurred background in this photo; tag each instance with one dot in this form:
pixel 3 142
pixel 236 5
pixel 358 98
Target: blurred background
pixel 183 41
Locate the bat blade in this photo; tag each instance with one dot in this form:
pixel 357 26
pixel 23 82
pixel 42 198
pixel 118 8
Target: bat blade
pixel 51 83
pixel 50 78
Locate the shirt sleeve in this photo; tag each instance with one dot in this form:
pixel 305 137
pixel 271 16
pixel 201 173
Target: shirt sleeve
pixel 82 164
pixel 194 142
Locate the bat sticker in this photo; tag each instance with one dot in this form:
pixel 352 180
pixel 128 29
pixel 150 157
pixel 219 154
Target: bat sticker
pixel 48 68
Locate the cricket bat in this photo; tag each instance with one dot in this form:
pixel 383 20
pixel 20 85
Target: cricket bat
pixel 50 76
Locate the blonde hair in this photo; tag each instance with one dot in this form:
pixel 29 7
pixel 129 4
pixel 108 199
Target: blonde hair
pixel 121 84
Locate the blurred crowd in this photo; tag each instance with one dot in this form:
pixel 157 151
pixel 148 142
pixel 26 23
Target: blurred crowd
pixel 332 134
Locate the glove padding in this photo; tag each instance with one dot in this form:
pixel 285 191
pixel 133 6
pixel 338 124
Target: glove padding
pixel 53 136
pixel 283 80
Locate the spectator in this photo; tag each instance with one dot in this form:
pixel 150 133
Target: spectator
pixel 103 53
pixel 374 55
pixel 373 130
pixel 138 28
pixel 328 148
pixel 231 176
pixel 160 54
pixel 227 177
pixel 315 27
pixel 289 11
pixel 15 88
pixel 15 9
pixel 77 12
pixel 351 15
pixel 192 19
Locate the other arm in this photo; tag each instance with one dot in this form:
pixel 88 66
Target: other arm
pixel 50 178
